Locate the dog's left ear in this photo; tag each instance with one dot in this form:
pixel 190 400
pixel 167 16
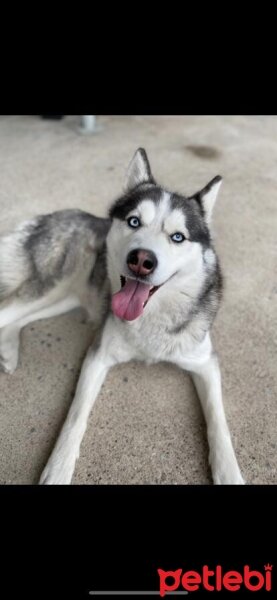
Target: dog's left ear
pixel 207 197
pixel 139 171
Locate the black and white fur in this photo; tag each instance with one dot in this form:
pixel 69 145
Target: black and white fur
pixel 70 258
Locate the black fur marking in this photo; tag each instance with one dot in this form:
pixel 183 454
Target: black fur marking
pixel 191 208
pixel 212 291
pixel 99 278
pixel 130 200
pixel 98 275
pixel 207 304
pixel 195 223
pixel 211 183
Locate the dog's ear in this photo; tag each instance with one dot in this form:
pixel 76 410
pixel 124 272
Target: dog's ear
pixel 207 197
pixel 138 171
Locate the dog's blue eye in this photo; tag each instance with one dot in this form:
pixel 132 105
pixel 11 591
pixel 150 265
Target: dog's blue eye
pixel 177 237
pixel 133 222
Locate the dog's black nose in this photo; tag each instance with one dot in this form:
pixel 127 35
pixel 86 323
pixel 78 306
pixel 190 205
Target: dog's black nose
pixel 142 262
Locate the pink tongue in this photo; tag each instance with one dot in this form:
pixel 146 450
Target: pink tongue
pixel 128 302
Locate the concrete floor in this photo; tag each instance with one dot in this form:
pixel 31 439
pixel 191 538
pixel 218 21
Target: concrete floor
pixel 146 426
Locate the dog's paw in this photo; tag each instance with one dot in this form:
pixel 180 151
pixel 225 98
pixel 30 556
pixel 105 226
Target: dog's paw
pixel 9 349
pixel 60 474
pixel 228 478
pixel 225 469
pixel 8 366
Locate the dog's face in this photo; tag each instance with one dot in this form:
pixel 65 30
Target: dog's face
pixel 155 236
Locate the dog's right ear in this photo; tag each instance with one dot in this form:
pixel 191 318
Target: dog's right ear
pixel 139 171
pixel 207 197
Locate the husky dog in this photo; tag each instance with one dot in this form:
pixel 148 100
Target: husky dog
pixel 150 280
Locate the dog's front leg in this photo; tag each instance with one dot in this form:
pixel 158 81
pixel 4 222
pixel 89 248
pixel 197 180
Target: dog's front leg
pixel 60 466
pixel 207 379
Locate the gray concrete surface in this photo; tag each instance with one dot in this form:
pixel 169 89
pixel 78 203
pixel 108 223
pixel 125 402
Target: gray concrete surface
pixel 146 426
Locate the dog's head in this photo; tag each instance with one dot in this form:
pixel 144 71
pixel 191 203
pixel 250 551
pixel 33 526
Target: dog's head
pixel 156 238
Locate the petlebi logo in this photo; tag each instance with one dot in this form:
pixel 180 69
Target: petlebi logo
pixel 215 580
